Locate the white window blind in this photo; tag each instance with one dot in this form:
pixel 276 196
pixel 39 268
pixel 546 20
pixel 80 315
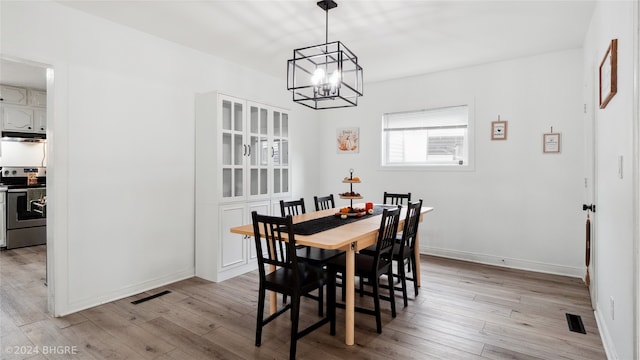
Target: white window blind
pixel 426 137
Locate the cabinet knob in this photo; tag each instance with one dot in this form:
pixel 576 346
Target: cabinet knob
pixel 29 127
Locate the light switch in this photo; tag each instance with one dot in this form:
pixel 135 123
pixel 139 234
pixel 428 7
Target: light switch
pixel 620 161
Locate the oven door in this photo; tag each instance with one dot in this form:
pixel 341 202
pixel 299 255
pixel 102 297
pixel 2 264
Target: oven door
pixel 19 212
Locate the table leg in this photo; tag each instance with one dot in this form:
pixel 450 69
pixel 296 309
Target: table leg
pixel 350 297
pixel 416 258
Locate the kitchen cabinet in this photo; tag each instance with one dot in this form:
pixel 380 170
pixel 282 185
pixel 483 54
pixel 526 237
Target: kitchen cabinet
pixel 242 164
pixel 13 95
pixel 40 120
pixel 16 118
pixel 23 110
pixel 37 98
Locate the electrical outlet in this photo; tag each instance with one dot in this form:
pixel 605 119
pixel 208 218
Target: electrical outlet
pixel 612 307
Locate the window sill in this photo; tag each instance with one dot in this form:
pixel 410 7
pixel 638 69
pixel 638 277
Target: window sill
pixel 427 168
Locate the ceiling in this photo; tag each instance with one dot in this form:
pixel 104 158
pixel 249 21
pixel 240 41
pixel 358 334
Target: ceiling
pixel 392 38
pixel 21 74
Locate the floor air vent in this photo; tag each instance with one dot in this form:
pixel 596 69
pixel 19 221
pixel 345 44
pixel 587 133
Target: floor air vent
pixel 158 295
pixel 575 323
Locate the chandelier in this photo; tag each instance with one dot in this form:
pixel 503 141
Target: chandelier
pixel 325 76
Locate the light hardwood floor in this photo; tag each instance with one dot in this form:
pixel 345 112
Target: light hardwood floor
pixel 463 311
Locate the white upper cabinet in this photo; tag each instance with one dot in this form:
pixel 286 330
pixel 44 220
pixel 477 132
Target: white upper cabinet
pixel 23 110
pixel 37 98
pixel 233 148
pixel 16 118
pixel 250 158
pixel 13 95
pixel 258 151
pixel 40 120
pixel 280 152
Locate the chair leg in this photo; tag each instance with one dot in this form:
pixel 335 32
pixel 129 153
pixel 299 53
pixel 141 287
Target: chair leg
pixel 415 275
pixel 392 295
pixel 376 303
pixel 403 281
pixel 260 316
pixel 320 301
pixel 331 302
pixel 295 316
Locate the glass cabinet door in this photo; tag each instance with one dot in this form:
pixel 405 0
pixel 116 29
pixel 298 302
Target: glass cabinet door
pixel 257 150
pixel 233 149
pixel 280 152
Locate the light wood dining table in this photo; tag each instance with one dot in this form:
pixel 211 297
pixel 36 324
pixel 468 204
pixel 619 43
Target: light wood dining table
pixel 351 238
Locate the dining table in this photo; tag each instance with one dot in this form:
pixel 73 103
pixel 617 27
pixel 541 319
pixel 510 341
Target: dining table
pixel 351 236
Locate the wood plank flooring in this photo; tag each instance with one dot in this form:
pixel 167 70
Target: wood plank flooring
pixel 464 311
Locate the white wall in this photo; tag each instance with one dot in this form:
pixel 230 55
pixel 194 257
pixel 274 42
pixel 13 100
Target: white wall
pixel 121 147
pixel 614 220
pixel 519 207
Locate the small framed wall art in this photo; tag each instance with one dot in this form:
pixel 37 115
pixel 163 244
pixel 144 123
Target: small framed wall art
pixel 551 142
pixel 348 140
pixel 499 130
pixel 609 74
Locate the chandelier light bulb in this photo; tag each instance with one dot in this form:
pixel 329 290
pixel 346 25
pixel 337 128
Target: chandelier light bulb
pixel 318 76
pixel 335 78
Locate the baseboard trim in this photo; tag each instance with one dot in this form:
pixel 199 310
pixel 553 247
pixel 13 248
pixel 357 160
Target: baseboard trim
pixel 87 303
pixel 607 342
pixel 506 262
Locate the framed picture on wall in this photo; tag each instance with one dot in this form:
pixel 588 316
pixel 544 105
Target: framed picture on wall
pixel 609 74
pixel 499 130
pixel 348 140
pixel 551 143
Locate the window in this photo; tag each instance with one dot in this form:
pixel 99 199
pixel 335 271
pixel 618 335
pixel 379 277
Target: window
pixel 426 137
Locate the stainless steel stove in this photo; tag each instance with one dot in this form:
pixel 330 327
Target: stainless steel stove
pixel 26 214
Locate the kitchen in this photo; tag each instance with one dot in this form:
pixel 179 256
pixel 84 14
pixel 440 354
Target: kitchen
pixel 23 158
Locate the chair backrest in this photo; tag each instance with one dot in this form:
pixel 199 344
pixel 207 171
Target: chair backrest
pixel 293 207
pixel 324 202
pixel 396 198
pixel 386 237
pixel 277 234
pixel 410 229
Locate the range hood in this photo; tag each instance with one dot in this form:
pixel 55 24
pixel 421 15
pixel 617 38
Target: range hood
pixel 23 136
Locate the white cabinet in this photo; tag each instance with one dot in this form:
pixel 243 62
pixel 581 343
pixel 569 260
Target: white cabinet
pixel 37 98
pixel 242 162
pixel 23 110
pixel 16 118
pixel 13 95
pixel 40 120
pixel 3 225
pixel 280 152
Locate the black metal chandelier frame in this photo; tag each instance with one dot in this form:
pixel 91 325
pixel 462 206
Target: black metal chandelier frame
pixel 325 76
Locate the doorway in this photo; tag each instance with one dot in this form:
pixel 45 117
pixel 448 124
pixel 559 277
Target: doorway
pixel 36 81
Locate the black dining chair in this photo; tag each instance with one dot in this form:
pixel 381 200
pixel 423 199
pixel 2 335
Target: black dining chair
pixel 309 255
pixel 293 207
pixel 404 253
pixel 396 198
pixel 370 267
pixel 291 277
pixel 324 202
